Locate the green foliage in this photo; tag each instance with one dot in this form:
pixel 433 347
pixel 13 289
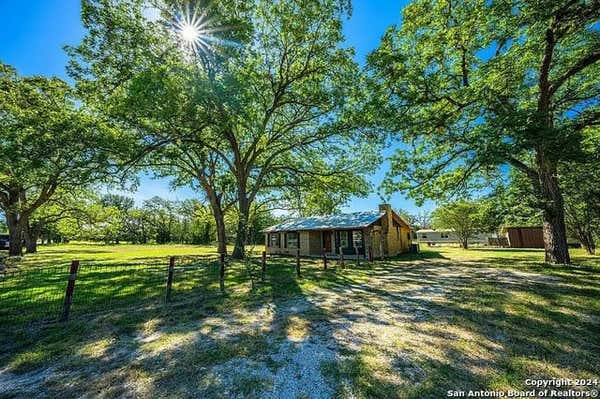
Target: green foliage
pixel 515 202
pixel 113 218
pixel 49 142
pixel 464 84
pixel 267 109
pixel 417 221
pixel 473 86
pixel 582 202
pixel 464 217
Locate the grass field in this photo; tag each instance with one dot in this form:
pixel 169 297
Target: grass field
pixel 108 277
pixel 412 327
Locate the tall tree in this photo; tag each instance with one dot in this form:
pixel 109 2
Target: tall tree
pixel 163 217
pixel 473 85
pixel 231 120
pixel 289 123
pixel 145 79
pixel 463 217
pixel 48 142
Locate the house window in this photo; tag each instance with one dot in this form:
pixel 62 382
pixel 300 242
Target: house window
pixel 357 238
pixel 344 239
pixel 291 240
pixel 274 240
pixel 408 236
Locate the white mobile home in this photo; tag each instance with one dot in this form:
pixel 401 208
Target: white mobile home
pixel 446 236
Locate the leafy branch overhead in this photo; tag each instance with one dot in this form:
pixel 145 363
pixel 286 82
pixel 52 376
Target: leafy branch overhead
pixel 271 108
pixel 473 87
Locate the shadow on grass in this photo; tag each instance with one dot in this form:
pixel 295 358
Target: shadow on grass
pixel 452 325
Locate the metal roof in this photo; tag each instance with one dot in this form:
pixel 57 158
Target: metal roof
pixel 338 221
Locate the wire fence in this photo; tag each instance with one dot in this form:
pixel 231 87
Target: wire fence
pixel 39 294
pixel 50 294
pixel 32 294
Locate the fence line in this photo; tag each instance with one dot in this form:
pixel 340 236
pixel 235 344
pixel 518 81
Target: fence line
pixel 48 294
pixel 53 293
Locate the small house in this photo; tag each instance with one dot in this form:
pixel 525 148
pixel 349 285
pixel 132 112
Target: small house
pixel 382 232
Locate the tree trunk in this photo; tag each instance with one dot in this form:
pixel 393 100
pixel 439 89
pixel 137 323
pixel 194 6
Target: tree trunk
pixel 465 244
pixel 31 245
pixel 216 206
pixel 221 234
pixel 32 234
pixel 15 234
pixel 555 232
pixel 31 239
pixel 239 250
pixel 587 242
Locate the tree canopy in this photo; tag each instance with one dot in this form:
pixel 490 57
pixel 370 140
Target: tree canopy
pixel 265 110
pixel 48 141
pixel 473 86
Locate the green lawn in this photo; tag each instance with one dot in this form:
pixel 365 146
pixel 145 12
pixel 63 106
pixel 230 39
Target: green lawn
pixel 411 327
pixel 124 254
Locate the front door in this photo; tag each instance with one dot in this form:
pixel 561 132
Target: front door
pixel 327 241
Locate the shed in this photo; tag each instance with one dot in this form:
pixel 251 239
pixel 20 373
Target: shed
pixel 525 237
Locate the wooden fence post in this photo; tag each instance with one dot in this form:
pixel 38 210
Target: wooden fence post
pixel 222 273
pixel 341 257
pixel 69 292
pixel 324 259
pixel 298 263
pixel 170 277
pixel 263 265
pixel 357 256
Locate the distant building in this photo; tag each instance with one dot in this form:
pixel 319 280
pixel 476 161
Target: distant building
pixel 524 237
pixel 446 236
pixel 383 231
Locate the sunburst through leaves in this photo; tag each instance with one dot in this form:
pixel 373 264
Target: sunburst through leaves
pixel 195 29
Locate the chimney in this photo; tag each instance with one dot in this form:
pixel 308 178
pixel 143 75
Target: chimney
pixel 385 208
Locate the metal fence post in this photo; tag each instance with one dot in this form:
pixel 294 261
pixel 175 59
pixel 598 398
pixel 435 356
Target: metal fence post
pixel 263 265
pixel 69 292
pixel 298 263
pixel 170 277
pixel 222 273
pixel 324 259
pixel 341 257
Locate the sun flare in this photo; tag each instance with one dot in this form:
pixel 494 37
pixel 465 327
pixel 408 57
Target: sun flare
pixel 189 33
pixel 195 29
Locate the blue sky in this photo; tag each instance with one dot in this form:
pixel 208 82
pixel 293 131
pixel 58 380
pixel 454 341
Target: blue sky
pixel 33 33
